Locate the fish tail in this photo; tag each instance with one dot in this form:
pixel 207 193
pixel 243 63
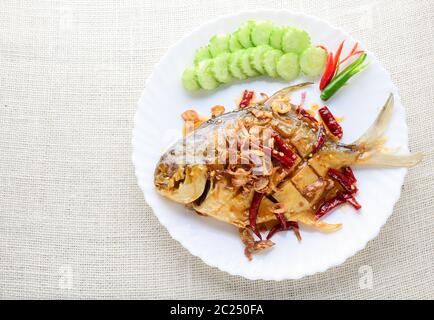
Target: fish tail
pixel 369 145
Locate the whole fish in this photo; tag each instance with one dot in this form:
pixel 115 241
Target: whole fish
pixel 229 162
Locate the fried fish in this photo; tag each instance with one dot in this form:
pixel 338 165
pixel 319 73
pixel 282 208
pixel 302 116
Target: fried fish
pixel 272 156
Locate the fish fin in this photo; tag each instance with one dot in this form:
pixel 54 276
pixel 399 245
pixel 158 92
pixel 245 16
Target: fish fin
pixel 370 144
pixel 372 136
pixel 381 159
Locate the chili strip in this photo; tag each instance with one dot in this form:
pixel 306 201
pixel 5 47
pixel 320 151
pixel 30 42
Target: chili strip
pixel 327 76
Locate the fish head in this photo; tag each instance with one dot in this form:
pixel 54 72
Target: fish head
pixel 182 183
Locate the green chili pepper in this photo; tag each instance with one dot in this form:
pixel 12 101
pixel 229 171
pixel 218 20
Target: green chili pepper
pixel 341 79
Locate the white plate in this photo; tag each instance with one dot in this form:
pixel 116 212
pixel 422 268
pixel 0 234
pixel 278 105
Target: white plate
pixel 158 124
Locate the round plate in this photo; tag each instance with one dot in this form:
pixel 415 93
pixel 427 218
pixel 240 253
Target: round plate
pixel 158 124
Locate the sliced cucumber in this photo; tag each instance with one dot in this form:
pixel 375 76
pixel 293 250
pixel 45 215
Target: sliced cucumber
pixel 276 37
pixel 202 54
pixel 313 61
pixel 295 40
pixel 234 65
pixel 220 68
pixel 256 57
pixel 189 79
pixel 205 76
pixel 269 61
pixel 234 44
pixel 244 33
pixel 261 32
pixel 219 44
pixel 245 65
pixel 288 67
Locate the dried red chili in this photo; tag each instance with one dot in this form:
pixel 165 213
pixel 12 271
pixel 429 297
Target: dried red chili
pixel 247 97
pixel 335 202
pixel 320 139
pixel 351 200
pixel 306 115
pixel 282 146
pixel 346 183
pixel 329 205
pixel 253 212
pixel 349 174
pixel 278 156
pixel 337 57
pixel 330 121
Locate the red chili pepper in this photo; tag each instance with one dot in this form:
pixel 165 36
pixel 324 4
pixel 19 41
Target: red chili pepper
pixel 273 231
pixel 349 174
pixel 276 155
pixel 306 114
pixel 282 146
pixel 353 52
pixel 343 180
pixel 282 220
pixel 247 97
pixel 328 206
pixel 335 202
pixel 253 212
pixel 327 76
pixel 320 139
pixel 330 121
pixel 351 200
pixel 337 57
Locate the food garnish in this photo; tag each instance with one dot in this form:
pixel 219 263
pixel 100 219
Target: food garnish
pixel 332 80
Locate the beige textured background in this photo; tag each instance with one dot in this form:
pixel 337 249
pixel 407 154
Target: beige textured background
pixel 73 223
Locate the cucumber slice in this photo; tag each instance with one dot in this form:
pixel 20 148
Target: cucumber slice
pixel 256 57
pixel 220 68
pixel 313 61
pixel 261 32
pixel 276 37
pixel 244 33
pixel 189 79
pixel 205 76
pixel 234 62
pixel 202 54
pixel 219 44
pixel 269 61
pixel 295 40
pixel 245 65
pixel 288 67
pixel 234 44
